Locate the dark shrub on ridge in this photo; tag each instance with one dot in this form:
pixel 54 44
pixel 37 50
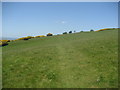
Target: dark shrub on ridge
pixel 70 31
pixel 49 34
pixel 91 30
pixel 65 33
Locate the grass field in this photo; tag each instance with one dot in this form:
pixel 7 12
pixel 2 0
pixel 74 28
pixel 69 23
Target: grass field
pixel 79 60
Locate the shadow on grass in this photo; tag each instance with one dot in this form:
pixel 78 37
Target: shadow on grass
pixel 3 45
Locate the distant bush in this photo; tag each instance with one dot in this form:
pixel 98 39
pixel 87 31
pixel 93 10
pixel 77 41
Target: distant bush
pixel 42 36
pixel 104 29
pixel 70 31
pixel 25 38
pixel 65 33
pixel 29 37
pixel 81 31
pixel 4 42
pixel 8 40
pixel 49 34
pixel 20 39
pixel 17 39
pixel 91 30
pixel 39 36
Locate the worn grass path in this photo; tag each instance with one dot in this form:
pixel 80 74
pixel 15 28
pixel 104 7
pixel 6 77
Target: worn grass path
pixel 81 60
pixel 75 69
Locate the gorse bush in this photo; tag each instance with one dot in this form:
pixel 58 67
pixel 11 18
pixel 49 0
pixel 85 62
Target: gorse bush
pixel 25 38
pixel 42 36
pixel 104 29
pixel 4 42
pixel 29 37
pixel 39 36
pixel 49 34
pixel 20 38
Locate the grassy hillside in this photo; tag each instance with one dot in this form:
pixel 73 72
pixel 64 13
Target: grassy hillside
pixel 79 60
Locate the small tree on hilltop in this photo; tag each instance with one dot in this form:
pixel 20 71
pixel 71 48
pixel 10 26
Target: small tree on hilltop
pixel 91 30
pixel 65 33
pixel 70 31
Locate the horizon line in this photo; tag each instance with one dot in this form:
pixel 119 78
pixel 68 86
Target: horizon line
pixel 62 33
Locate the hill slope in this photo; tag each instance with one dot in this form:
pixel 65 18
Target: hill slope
pixel 80 60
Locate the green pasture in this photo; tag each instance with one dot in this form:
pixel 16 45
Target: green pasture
pixel 77 60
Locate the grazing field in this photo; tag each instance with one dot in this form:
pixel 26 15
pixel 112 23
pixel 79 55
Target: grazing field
pixel 78 60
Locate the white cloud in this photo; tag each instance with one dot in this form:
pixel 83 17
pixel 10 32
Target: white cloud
pixel 63 22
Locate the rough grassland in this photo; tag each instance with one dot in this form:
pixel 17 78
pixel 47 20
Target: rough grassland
pixel 80 60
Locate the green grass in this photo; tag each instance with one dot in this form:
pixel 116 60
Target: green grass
pixel 79 60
